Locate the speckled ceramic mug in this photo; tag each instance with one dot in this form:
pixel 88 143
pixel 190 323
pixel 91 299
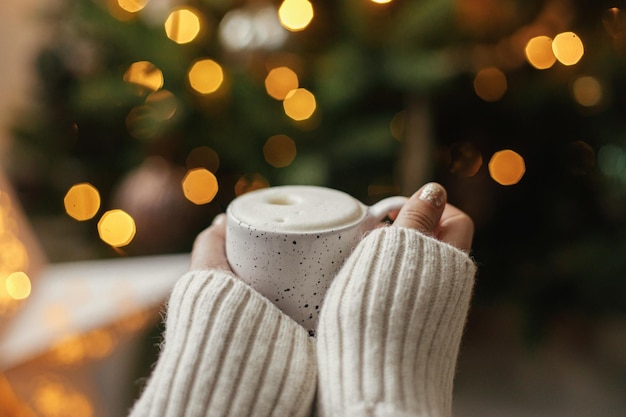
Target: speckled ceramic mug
pixel 288 242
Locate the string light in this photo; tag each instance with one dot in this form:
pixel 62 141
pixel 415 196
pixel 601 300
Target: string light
pixel 132 6
pixel 144 74
pixel 490 84
pixel 295 15
pixel 539 52
pixel 299 104
pixel 82 201
pixel 280 81
pixel 200 186
pixel 279 151
pixel 183 25
pixel 507 167
pixel 568 48
pixel 205 76
pixel 116 228
pixel 18 285
pixel 587 91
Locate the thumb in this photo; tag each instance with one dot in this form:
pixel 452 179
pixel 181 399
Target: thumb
pixel 423 210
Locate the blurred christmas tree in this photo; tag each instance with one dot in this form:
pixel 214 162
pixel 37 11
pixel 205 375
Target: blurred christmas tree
pixel 371 97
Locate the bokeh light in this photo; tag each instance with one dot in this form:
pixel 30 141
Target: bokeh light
pixel 18 285
pixel 54 397
pixel 252 28
pixel 299 104
pixel 200 186
pixel 587 91
pixel 116 228
pixel 145 74
pixel 183 25
pixel 251 182
pixel 280 81
pixel 490 84
pixel 132 6
pixel 507 167
pixel 568 48
pixel 203 157
pixel 381 1
pixel 295 15
pixel 465 159
pixel 205 76
pixel 82 201
pixel 611 160
pixel 539 52
pixel 279 151
pixel 164 104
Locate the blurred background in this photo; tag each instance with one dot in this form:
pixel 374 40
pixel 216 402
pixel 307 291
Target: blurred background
pixel 127 125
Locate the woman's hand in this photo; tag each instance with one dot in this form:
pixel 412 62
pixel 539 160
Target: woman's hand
pixel 428 211
pixel 209 248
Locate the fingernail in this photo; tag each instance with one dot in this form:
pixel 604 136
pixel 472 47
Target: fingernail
pixel 219 219
pixel 434 193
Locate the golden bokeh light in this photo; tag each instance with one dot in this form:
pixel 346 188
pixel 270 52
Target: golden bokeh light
pixel 18 285
pixel 183 25
pixel 247 183
pixel 507 167
pixel 145 74
pixel 164 104
pixel 279 151
pixel 200 186
pixel 568 48
pixel 54 397
pixel 116 228
pixel 205 76
pixel 82 201
pixel 587 91
pixel 203 157
pixel 299 104
pixel 280 81
pixel 490 84
pixel 295 15
pixel 132 6
pixel 539 52
pixel 381 1
pixel 465 159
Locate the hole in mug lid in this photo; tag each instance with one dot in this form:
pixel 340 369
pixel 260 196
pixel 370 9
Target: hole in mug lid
pixel 280 200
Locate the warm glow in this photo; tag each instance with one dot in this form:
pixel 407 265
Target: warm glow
pixel 507 167
pixel 116 228
pixel 249 183
pixel 18 285
pixel 203 157
pixel 206 76
pixel 82 201
pixel 280 81
pixel 381 1
pixel 587 91
pixel 132 6
pixel 568 48
pixel 295 15
pixel 52 397
pixel 200 186
pixel 164 104
pixel 183 25
pixel 539 52
pixel 465 159
pixel 490 84
pixel 145 74
pixel 279 151
pixel 299 104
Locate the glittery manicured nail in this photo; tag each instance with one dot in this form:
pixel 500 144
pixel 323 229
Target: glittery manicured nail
pixel 434 193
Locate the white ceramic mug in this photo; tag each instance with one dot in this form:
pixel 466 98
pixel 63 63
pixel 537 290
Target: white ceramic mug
pixel 289 242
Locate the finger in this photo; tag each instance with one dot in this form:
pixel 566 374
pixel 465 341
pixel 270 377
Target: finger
pixel 209 248
pixel 423 209
pixel 456 228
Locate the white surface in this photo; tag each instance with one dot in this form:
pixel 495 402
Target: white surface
pixel 74 298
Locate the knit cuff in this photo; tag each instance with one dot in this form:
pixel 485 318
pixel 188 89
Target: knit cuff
pixel 391 325
pixel 228 351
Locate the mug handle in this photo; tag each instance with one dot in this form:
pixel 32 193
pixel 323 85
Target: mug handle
pixel 378 211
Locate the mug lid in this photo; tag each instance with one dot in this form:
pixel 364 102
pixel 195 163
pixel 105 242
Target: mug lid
pixel 297 208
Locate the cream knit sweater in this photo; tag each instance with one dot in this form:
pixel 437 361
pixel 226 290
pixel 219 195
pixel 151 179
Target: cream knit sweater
pixel 387 343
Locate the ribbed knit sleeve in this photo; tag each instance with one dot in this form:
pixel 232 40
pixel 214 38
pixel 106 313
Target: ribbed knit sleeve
pixel 228 352
pixel 391 326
